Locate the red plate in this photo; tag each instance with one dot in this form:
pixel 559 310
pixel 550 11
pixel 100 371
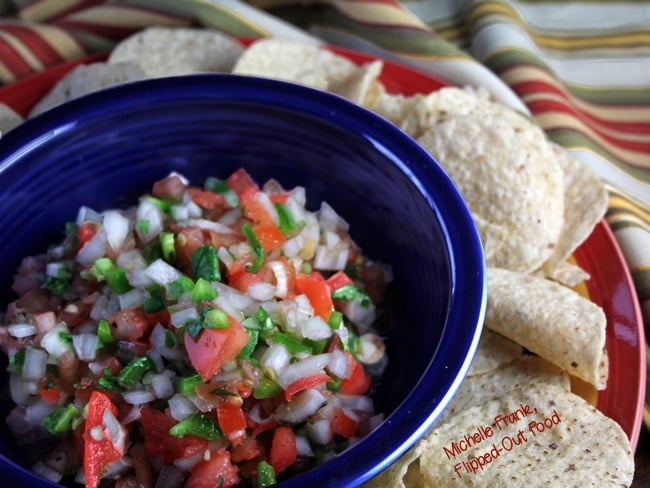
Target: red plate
pixel 610 285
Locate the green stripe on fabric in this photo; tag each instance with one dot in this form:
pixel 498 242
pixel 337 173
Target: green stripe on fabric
pixel 572 139
pixel 641 278
pixel 410 41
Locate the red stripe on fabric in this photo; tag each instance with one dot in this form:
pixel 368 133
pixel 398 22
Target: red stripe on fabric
pixel 105 31
pixel 80 5
pixel 35 43
pixel 535 87
pixel 14 61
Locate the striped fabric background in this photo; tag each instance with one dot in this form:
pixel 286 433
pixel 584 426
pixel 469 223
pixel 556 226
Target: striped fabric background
pixel 582 69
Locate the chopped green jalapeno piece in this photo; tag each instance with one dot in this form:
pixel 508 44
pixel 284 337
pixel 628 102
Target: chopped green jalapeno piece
pixel 258 252
pixel 109 382
pixel 167 246
pixel 62 420
pixel 162 204
pixel 219 186
pixel 17 361
pixel 265 475
pixel 104 333
pixel 155 302
pixel 336 320
pixel 188 384
pixel 205 263
pixel 285 219
pixel 115 276
pixel 351 293
pixel 135 370
pixel 216 319
pixel 267 388
pixel 249 348
pixel 198 425
pixel 202 290
pixel 152 251
pixel 176 288
pixel 292 345
pixel 170 340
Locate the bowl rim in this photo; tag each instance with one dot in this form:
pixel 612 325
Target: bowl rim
pixel 417 413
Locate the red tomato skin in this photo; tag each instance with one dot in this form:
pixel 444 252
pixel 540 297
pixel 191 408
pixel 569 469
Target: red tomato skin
pixel 98 454
pixel 339 280
pixel 316 289
pixel 305 383
pixel 359 381
pixel 343 425
pixel 213 472
pixel 270 236
pixel 283 448
pixel 240 180
pixel 232 421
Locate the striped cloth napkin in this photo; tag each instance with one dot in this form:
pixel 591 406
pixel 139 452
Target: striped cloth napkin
pixel 582 69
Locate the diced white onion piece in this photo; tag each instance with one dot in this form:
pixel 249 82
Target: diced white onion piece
pixel 138 278
pixel 22 330
pixel 315 328
pixel 276 357
pixel 18 389
pixel 138 397
pixel 117 228
pixel 330 220
pixel 261 291
pixel 224 256
pixel 211 225
pixel 305 367
pixel 362 317
pixel 194 210
pixel 180 317
pixel 162 273
pixel 117 469
pixel 158 339
pixel 371 348
pixel 281 279
pixel 149 211
pixel 301 406
pixel 87 214
pixel 53 269
pixel 37 411
pixel 100 308
pixel 331 259
pixel 303 448
pixel 131 260
pixel 200 403
pixel 53 343
pixel 304 305
pixel 34 365
pixel 255 415
pixel 295 204
pixel 44 471
pixel 266 202
pixel 162 386
pixel 289 315
pixel 179 213
pixel 180 407
pixel 230 217
pixel 331 239
pixel 85 345
pixel 132 298
pixel 94 249
pixel 111 424
pixel 339 365
pixel 291 247
pixel 359 403
pixel 319 431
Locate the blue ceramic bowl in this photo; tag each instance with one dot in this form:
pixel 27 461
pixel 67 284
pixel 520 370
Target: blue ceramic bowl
pixel 106 149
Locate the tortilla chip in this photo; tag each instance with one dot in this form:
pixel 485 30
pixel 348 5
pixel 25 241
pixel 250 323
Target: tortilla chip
pixel 359 87
pixel 8 119
pixel 395 108
pixel 297 62
pixel 85 79
pixel 523 372
pixel 550 320
pixel 394 475
pixel 565 273
pixel 585 204
pixel 174 51
pixel 493 351
pixel 507 174
pixel 539 435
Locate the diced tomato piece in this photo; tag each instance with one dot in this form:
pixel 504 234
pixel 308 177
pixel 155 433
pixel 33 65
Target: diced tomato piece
pixel 270 236
pixel 231 420
pixel 342 424
pixel 214 346
pixel 283 448
pixel 87 231
pixel 305 383
pixel 170 187
pixel 279 198
pixel 129 324
pixel 359 381
pixel 99 454
pixel 246 450
pixel 253 209
pixel 316 289
pixel 188 240
pixel 244 279
pixel 338 280
pixel 240 180
pixel 50 393
pixel 218 470
pixel 162 317
pixel 206 198
pixel 259 428
pixel 158 441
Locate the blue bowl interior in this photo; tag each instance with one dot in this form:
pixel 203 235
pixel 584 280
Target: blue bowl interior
pixel 105 150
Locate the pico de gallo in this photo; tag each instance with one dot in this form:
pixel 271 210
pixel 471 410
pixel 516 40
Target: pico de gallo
pixel 209 336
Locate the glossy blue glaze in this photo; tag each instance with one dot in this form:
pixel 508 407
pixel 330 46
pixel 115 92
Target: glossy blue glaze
pixel 106 149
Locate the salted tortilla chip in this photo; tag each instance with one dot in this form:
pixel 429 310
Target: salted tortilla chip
pixel 550 320
pixel 507 174
pixel 493 351
pixel 85 79
pixel 297 62
pixel 540 435
pixel 394 107
pixel 565 273
pixel 174 51
pixel 394 475
pixel 522 372
pixel 585 204
pixel 8 119
pixel 359 87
